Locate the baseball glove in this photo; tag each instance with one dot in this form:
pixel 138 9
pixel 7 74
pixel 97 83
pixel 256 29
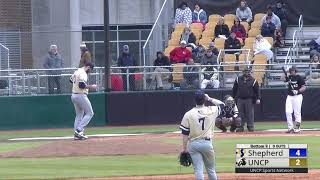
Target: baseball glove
pixel 185 159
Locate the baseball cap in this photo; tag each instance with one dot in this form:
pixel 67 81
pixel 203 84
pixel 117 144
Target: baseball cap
pixel 83 45
pixel 125 47
pixel 183 42
pixel 199 97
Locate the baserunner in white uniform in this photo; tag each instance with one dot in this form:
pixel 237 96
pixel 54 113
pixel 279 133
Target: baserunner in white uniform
pixel 82 105
pixel 197 130
pixel 296 86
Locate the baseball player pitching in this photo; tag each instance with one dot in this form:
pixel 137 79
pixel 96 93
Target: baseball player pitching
pixel 296 86
pixel 82 105
pixel 197 128
pixel 230 115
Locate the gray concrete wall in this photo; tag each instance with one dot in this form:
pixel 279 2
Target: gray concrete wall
pixel 63 21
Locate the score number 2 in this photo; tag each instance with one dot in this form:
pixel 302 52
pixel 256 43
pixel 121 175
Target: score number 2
pixel 202 119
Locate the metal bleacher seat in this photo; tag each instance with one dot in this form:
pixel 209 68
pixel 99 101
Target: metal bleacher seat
pixel 208 34
pixel 205 41
pixel 229 18
pixel 214 18
pixel 253 32
pixel 258 17
pixel 177 75
pixel 219 43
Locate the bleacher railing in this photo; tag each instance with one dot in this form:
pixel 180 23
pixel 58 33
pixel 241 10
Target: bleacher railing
pixel 297 39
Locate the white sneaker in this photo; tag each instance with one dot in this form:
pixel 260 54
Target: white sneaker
pixel 80 136
pixel 297 128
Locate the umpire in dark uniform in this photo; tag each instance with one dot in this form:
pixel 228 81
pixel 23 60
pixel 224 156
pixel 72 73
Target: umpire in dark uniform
pixel 246 92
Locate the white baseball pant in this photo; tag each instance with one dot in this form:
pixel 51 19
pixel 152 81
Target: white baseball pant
pixel 293 105
pixel 83 109
pixel 214 83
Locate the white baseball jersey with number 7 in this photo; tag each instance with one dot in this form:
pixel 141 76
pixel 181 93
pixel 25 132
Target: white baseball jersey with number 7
pixel 200 121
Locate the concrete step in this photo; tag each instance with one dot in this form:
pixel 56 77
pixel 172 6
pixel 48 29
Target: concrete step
pixel 304 49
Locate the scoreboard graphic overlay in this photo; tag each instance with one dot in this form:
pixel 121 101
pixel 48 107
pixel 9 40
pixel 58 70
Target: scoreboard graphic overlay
pixel 271 158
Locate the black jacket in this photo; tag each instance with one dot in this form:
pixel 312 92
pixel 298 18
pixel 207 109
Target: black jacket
pixel 246 88
pixel 221 30
pixel 232 44
pixel 281 13
pixel 164 61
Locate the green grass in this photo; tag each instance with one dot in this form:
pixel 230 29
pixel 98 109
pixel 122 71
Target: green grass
pixel 7 147
pixel 133 129
pixel 104 166
pixel 51 168
pixel 99 130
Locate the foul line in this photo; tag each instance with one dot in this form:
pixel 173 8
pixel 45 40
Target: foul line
pixel 139 134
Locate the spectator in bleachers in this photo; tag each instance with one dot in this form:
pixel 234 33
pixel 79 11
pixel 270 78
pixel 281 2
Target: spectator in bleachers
pixel 314 47
pixel 124 60
pixel 239 29
pixel 199 15
pixel 278 37
pixel 268 28
pixel 281 12
pixel 313 74
pixel 183 14
pixel 190 76
pixel 85 55
pixel 209 58
pixel 161 73
pixel 54 61
pixel 189 37
pixel 221 30
pixel 274 18
pixel 209 77
pixel 213 48
pixel 180 54
pixel 262 46
pixel 243 12
pixel 232 43
pixel 198 54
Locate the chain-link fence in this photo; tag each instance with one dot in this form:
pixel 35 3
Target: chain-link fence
pixel 44 81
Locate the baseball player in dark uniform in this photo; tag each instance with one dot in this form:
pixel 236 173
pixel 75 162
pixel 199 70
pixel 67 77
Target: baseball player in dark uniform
pixel 230 115
pixel 296 86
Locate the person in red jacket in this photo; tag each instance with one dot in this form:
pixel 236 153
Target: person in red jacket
pixel 180 54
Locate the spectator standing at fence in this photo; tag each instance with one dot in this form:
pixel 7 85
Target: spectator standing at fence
pixel 246 91
pixel 199 15
pixel 281 12
pixel 161 73
pixel 262 46
pixel 268 28
pixel 180 54
pixel 85 55
pixel 232 43
pixel 126 59
pixel 274 18
pixel 191 76
pixel 239 30
pixel 221 30
pixel 183 14
pixel 54 61
pixel 243 12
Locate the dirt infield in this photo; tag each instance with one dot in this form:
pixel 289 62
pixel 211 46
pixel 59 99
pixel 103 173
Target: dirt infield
pixel 312 175
pixel 126 145
pixel 150 144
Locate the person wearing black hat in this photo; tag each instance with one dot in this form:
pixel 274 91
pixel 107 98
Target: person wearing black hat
pixel 127 59
pixel 197 128
pixel 296 86
pixel 247 93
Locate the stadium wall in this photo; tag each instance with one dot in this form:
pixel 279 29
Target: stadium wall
pixel 169 107
pixel 54 111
